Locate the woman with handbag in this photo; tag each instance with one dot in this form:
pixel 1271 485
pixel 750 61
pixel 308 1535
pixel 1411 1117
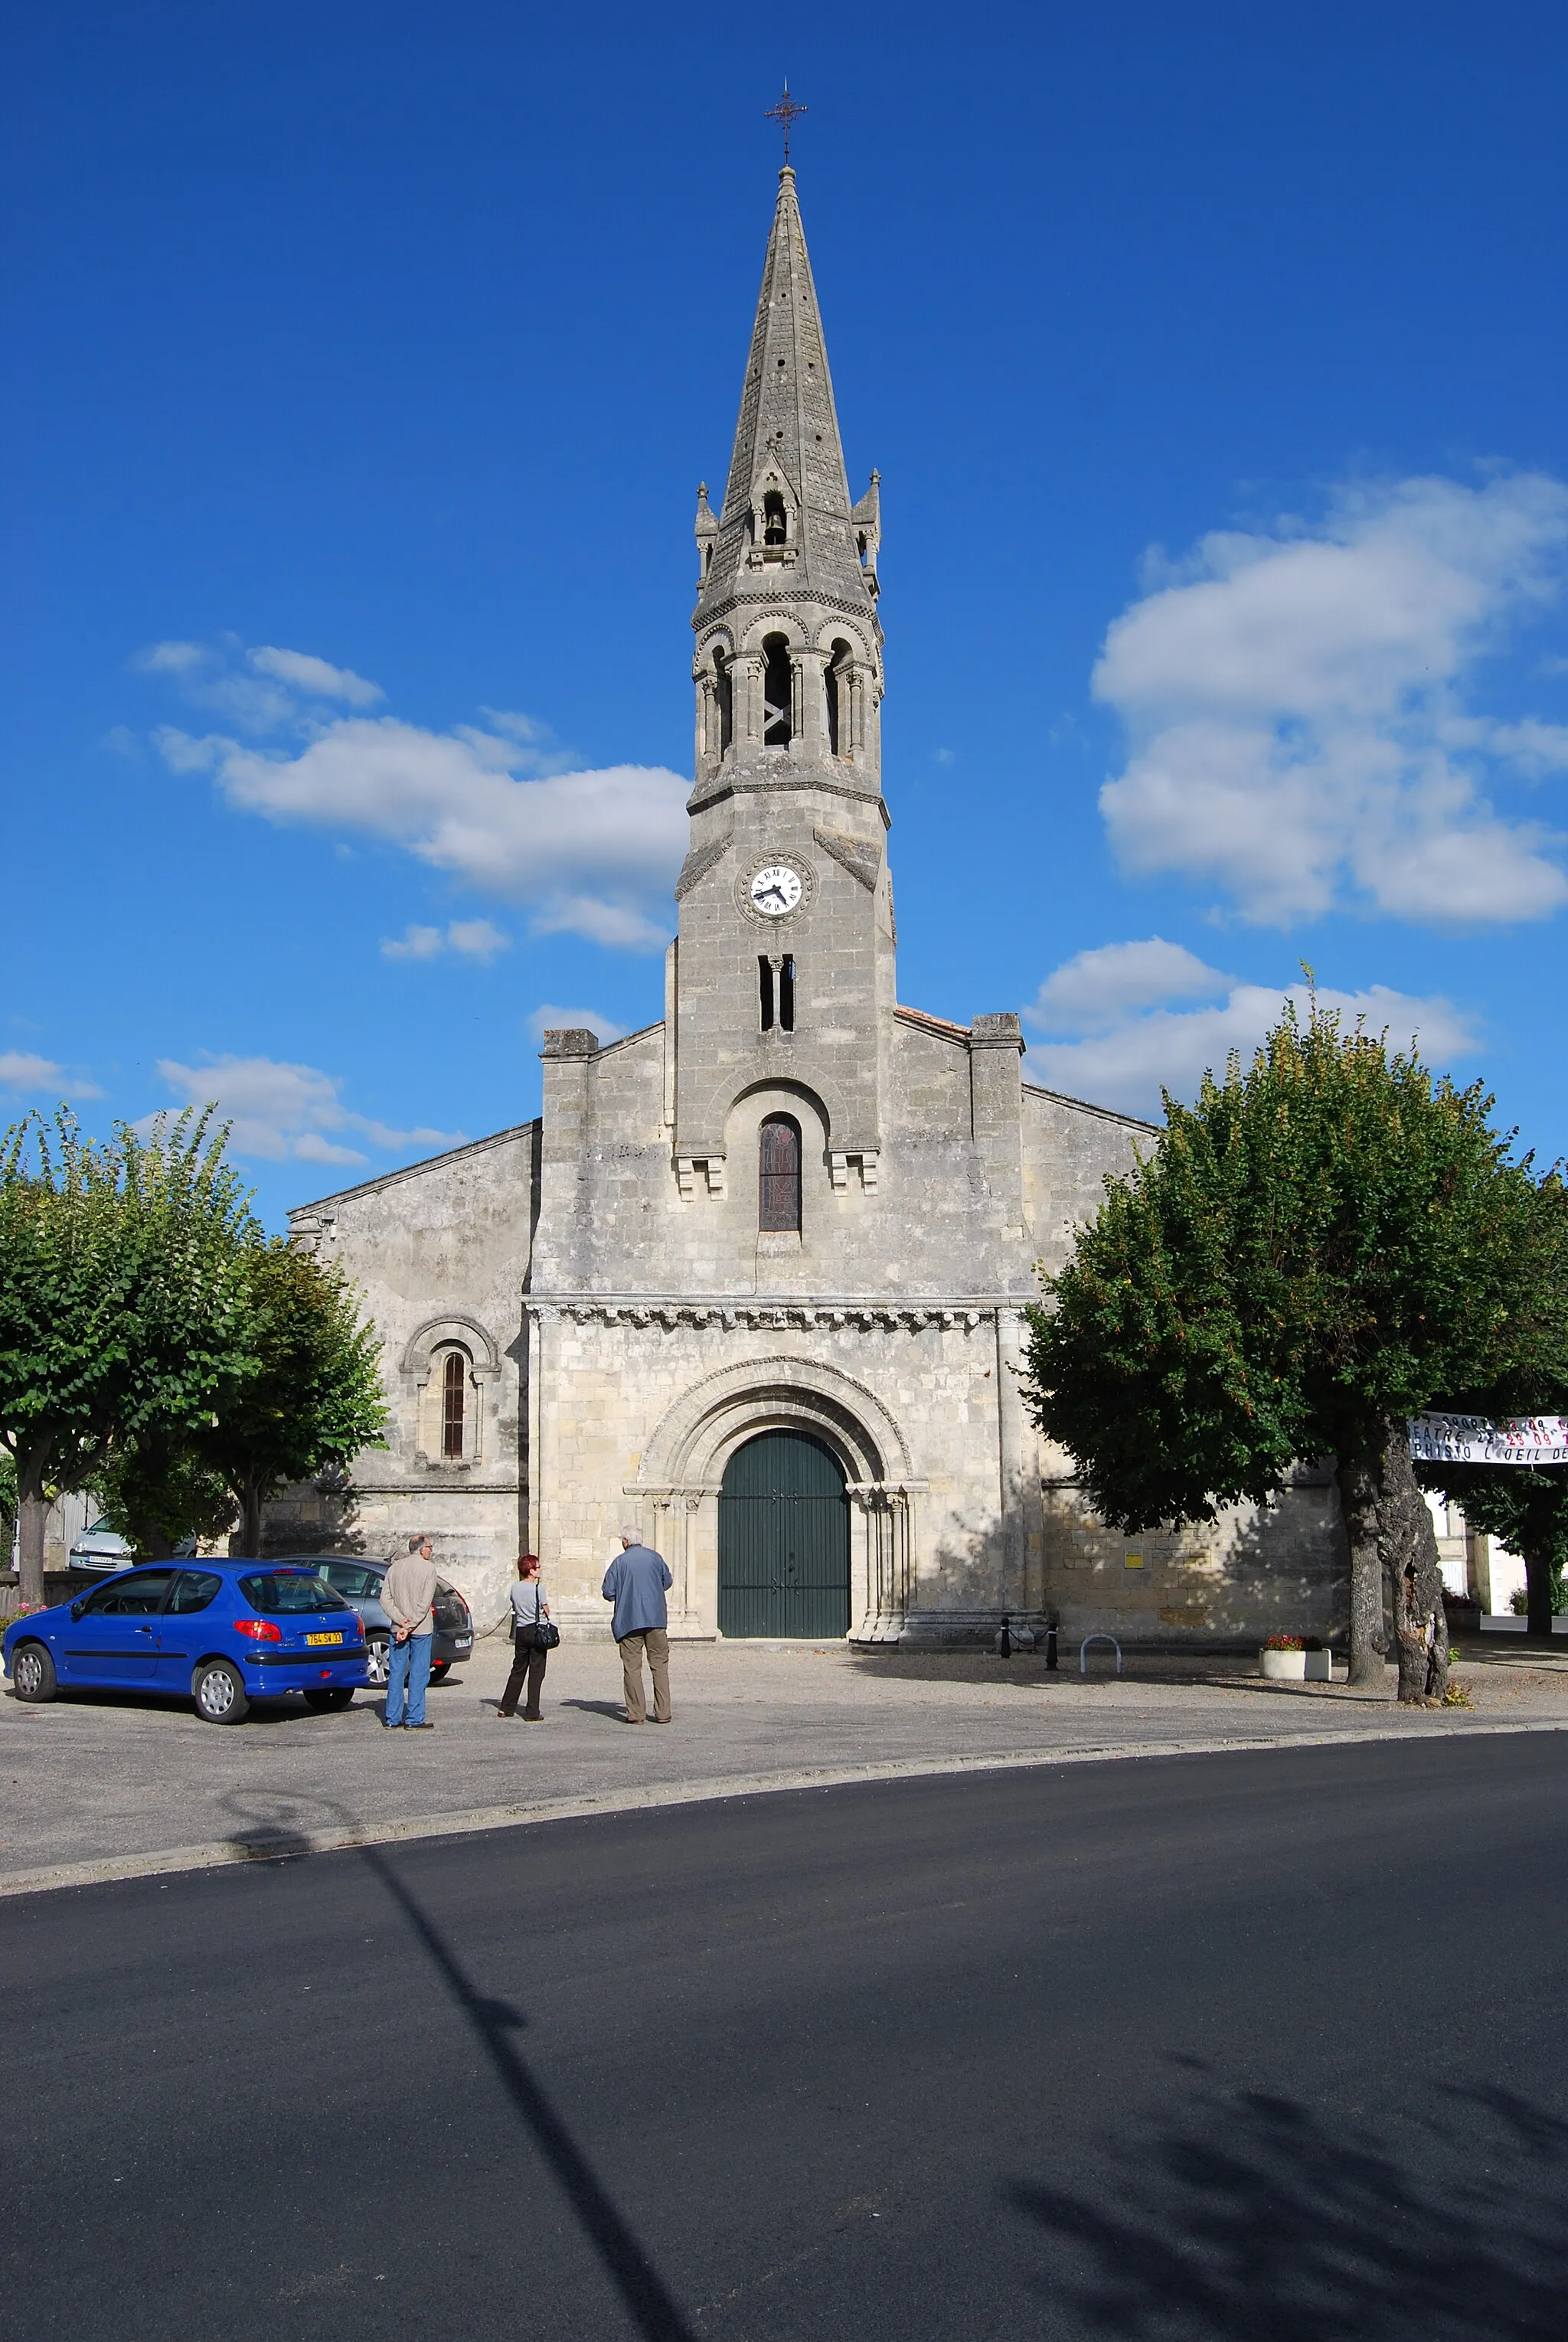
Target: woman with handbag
pixel 534 1638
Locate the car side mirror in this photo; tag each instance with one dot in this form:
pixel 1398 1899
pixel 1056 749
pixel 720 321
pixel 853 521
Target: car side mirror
pixel 77 1608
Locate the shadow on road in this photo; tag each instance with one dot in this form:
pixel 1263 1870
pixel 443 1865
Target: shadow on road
pixel 654 2312
pixel 1255 2219
pixel 495 2023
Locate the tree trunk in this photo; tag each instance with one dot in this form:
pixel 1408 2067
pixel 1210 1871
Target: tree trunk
pixel 1368 1639
pixel 1410 1546
pixel 1538 1585
pixel 250 1522
pixel 31 1513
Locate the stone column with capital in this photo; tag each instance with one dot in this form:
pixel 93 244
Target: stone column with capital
pixel 811 696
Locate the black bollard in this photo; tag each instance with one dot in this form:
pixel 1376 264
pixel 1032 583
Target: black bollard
pixel 1005 1639
pixel 1050 1646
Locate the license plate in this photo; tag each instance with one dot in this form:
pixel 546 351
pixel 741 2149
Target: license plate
pixel 323 1638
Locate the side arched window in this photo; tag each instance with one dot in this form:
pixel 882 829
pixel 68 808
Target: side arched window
pixel 454 1406
pixel 779 1180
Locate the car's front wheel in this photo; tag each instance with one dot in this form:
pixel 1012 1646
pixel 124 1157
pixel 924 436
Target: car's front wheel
pixel 33 1672
pixel 220 1693
pixel 339 1697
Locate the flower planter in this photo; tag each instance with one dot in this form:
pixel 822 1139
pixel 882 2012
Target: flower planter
pixel 1319 1665
pixel 1283 1666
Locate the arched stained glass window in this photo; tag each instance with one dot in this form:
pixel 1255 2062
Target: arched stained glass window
pixel 779 1180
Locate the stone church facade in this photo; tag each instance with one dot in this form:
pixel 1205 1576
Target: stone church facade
pixel 754 1281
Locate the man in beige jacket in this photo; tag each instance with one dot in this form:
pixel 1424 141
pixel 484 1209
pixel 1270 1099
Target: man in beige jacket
pixel 408 1598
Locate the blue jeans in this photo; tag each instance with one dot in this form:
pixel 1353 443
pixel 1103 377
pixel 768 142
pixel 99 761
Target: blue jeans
pixel 408 1672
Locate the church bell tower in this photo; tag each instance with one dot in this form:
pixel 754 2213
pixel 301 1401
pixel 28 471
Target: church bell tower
pixel 782 972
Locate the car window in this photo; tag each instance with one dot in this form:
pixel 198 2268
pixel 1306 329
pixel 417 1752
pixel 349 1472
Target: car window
pixel 350 1578
pixel 194 1589
pixel 280 1593
pixel 139 1596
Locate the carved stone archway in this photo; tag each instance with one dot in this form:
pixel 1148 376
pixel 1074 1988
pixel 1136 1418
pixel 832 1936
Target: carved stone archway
pixel 684 1467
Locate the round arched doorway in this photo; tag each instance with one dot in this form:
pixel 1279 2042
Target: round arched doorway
pixel 783 1538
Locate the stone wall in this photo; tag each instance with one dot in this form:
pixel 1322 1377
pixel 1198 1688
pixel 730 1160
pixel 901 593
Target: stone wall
pixel 441 1252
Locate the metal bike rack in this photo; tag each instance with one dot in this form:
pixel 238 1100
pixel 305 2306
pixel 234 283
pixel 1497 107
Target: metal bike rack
pixel 1083 1651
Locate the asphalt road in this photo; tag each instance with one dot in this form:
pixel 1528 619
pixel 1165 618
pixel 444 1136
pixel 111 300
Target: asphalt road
pixel 1262 2046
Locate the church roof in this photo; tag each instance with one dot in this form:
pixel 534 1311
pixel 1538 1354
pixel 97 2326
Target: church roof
pixel 786 439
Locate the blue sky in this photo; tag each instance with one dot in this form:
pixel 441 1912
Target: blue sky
pixel 364 364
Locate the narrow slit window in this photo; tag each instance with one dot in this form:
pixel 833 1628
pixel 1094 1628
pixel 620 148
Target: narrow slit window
pixel 779 1200
pixel 778 693
pixel 786 994
pixel 836 681
pixel 765 992
pixel 454 1403
pixel 724 692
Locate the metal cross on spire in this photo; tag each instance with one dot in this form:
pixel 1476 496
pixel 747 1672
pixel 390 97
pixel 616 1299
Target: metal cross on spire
pixel 784 112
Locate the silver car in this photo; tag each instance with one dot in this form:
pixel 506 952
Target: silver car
pixel 100 1551
pixel 359 1583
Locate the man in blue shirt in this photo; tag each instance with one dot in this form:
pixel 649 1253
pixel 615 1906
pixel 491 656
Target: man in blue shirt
pixel 636 1583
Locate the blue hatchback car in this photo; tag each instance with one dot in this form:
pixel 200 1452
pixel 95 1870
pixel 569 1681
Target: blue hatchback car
pixel 222 1632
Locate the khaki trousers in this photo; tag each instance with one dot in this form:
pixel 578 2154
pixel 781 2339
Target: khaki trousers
pixel 658 1644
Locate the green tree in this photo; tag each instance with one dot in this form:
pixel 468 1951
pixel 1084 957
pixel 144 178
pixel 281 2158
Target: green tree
pixel 1326 1244
pixel 158 1492
pixel 125 1307
pixel 314 1397
pixel 1526 1510
pixel 8 1505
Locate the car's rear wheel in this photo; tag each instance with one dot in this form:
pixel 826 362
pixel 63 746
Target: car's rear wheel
pixel 33 1674
pixel 375 1658
pixel 439 1670
pixel 338 1696
pixel 220 1693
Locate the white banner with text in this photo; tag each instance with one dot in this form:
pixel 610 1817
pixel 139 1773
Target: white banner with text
pixel 1472 1439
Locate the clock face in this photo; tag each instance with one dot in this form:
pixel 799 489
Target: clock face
pixel 776 890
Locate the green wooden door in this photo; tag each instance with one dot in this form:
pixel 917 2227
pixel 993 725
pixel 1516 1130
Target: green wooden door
pixel 783 1539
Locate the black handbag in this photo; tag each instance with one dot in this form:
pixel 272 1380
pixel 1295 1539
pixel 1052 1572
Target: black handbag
pixel 545 1632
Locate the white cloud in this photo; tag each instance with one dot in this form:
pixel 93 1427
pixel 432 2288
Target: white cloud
pixel 1293 702
pixel 281 1111
pixel 22 1070
pixel 551 1019
pixel 315 677
pixel 172 658
pixel 413 943
pixel 1124 1059
pixel 476 939
pixel 470 938
pixel 1095 989
pixel 593 852
pixel 263 692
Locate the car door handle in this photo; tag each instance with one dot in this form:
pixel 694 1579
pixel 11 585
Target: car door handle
pixel 143 1630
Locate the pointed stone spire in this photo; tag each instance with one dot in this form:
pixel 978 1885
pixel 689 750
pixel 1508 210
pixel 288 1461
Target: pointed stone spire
pixel 785 527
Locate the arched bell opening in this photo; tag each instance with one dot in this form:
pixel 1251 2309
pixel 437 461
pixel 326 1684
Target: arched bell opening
pixel 778 692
